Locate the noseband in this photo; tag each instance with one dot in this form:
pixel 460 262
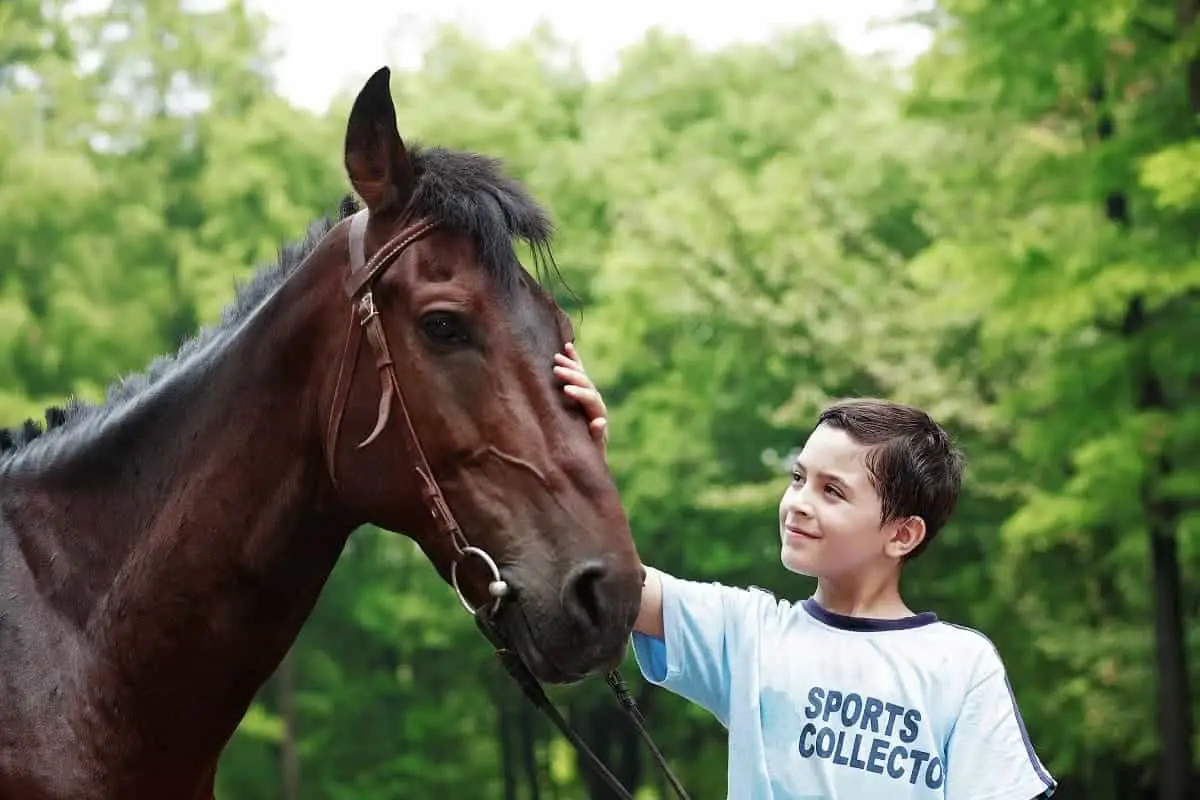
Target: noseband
pixel 359 289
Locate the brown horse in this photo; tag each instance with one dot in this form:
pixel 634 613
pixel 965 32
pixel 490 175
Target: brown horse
pixel 160 552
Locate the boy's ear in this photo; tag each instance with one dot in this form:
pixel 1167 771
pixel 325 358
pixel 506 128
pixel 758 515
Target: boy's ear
pixel 906 536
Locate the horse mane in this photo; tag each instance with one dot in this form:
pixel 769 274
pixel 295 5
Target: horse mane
pixel 464 191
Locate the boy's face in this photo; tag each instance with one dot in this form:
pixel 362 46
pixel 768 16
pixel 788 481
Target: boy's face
pixel 829 515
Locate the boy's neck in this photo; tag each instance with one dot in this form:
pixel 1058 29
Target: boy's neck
pixel 876 598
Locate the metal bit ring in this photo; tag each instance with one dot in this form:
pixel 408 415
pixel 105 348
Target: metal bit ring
pixel 497 587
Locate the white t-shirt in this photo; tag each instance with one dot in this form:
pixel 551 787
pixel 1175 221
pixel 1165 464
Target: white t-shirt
pixel 821 706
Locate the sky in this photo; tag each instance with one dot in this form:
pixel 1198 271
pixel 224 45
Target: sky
pixel 331 45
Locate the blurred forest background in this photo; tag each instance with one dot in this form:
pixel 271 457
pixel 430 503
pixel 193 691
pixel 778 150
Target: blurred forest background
pixel 1005 233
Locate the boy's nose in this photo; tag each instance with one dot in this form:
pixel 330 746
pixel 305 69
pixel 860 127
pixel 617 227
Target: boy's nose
pixel 804 502
pixel 797 501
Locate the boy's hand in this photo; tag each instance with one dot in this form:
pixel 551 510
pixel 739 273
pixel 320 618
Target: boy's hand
pixel 569 369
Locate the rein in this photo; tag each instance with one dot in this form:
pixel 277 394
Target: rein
pixel 358 288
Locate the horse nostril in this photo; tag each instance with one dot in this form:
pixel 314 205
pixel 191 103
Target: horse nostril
pixel 582 594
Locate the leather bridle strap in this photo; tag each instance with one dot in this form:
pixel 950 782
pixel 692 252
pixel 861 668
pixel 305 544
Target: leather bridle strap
pixel 359 289
pixel 362 273
pixel 364 317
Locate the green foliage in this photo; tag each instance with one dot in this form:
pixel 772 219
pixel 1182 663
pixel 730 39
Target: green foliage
pixel 744 234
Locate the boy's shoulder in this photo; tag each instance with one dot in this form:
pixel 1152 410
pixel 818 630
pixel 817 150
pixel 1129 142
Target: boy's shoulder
pixel 755 611
pixel 973 645
pixel 965 636
pixel 925 635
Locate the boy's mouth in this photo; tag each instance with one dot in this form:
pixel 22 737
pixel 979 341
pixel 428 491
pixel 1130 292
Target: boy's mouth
pixel 794 531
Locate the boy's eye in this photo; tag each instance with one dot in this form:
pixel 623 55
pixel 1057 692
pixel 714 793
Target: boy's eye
pixel 833 490
pixel 797 477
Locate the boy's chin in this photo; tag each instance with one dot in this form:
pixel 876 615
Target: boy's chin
pixel 797 562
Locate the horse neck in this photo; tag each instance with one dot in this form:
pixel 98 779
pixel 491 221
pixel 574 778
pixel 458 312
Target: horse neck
pixel 191 535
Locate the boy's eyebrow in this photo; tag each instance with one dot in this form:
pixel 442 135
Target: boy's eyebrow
pixel 829 476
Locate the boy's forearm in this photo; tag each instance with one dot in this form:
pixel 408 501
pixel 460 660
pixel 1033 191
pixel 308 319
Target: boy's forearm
pixel 650 615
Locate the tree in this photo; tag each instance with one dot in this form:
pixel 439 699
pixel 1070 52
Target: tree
pixel 1072 278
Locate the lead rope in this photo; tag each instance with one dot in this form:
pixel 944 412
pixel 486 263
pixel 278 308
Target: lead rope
pixel 617 684
pixel 533 691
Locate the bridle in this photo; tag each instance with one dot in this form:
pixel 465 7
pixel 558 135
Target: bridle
pixel 358 287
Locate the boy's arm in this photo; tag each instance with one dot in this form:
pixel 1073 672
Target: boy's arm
pixel 650 616
pixel 989 755
pixel 691 636
pixel 568 367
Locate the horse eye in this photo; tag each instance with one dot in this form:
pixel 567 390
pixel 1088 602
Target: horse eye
pixel 443 327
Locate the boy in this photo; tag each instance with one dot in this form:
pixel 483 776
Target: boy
pixel 847 695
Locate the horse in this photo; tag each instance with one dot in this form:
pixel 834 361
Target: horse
pixel 161 550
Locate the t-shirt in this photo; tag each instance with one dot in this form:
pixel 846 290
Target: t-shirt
pixel 822 706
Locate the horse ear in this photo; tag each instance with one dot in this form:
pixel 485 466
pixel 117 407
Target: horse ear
pixel 376 161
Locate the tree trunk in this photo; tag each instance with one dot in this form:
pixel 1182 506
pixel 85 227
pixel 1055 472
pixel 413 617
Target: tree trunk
pixel 289 756
pixel 1175 724
pixel 1174 696
pixel 611 736
pixel 508 765
pixel 528 745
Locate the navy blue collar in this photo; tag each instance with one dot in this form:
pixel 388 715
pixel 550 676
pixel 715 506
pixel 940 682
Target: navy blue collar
pixel 866 624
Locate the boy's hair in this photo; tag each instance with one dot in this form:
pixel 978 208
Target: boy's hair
pixel 911 460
